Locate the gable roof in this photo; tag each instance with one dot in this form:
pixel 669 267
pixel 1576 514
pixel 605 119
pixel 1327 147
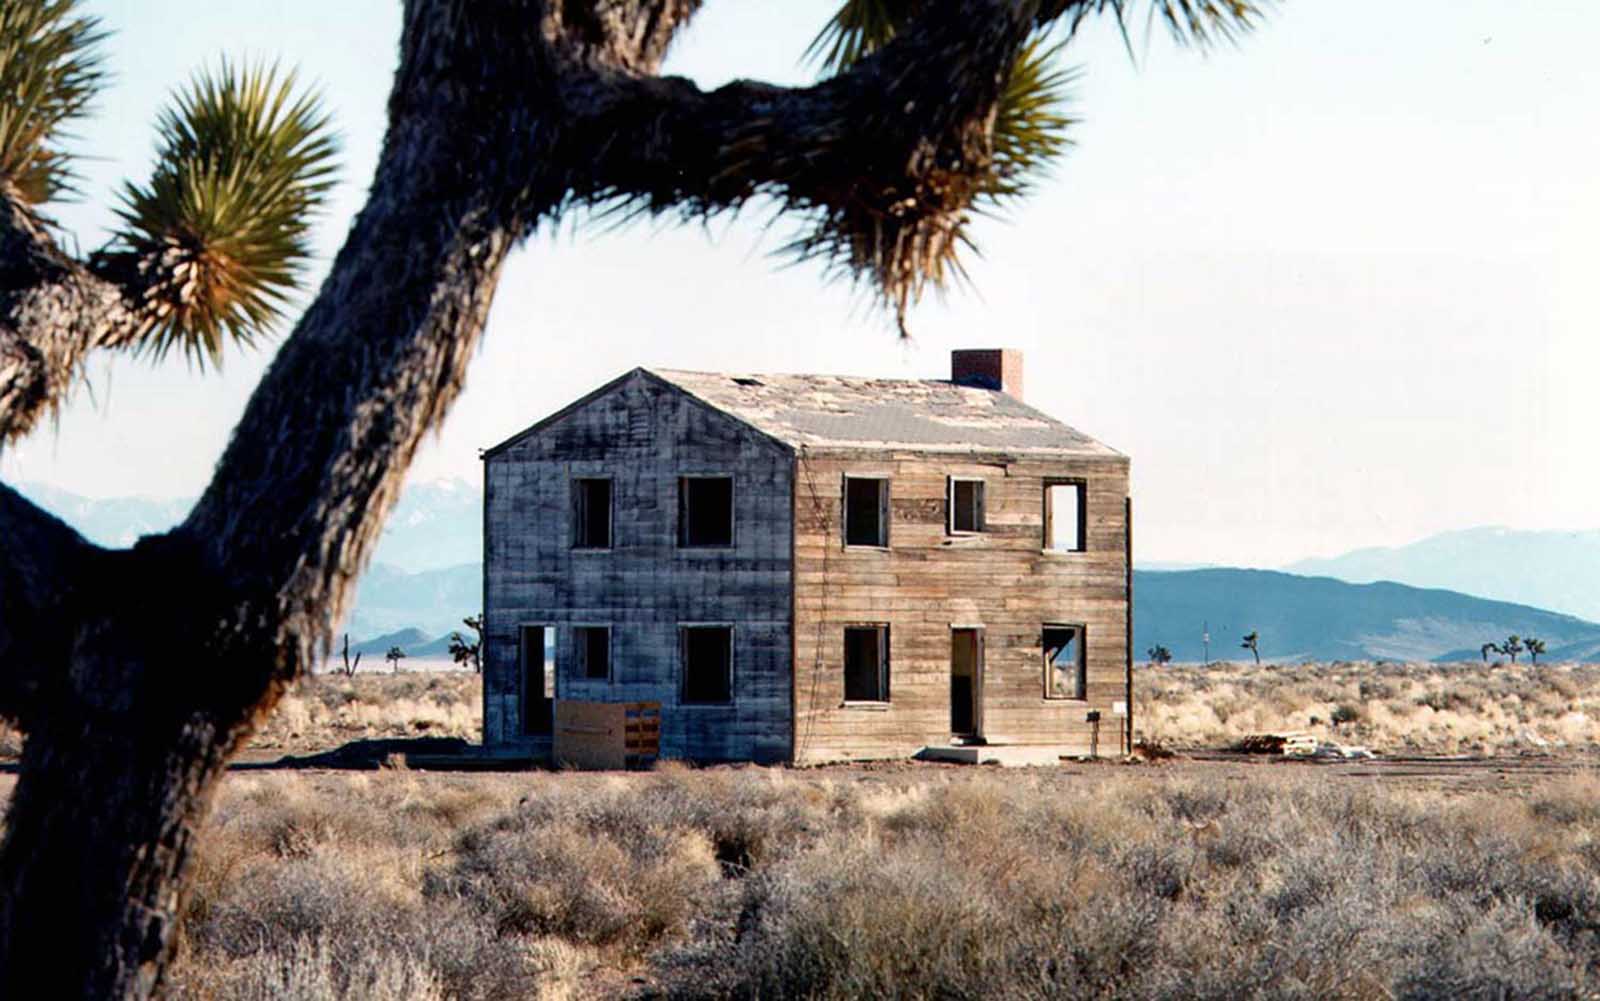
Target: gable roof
pixel 848 412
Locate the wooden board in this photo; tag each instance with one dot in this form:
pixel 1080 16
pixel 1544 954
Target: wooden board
pixel 929 581
pixel 606 735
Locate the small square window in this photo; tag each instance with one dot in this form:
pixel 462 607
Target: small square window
pixel 707 664
pixel 593 647
pixel 1063 517
pixel 866 511
pixel 866 663
pixel 966 506
pixel 591 514
pixel 1065 675
pixel 705 511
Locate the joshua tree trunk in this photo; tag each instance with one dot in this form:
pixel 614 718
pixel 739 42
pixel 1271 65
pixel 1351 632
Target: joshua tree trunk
pixel 503 113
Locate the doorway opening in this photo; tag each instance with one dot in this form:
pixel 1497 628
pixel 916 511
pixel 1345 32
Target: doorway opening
pixel 538 681
pixel 966 683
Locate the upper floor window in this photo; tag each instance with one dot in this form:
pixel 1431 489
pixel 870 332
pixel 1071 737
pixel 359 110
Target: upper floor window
pixel 965 506
pixel 591 513
pixel 866 511
pixel 1065 667
pixel 705 511
pixel 707 656
pixel 1064 526
pixel 866 663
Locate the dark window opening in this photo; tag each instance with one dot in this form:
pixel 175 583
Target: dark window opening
pixel 705 511
pixel 966 506
pixel 866 512
pixel 1065 675
pixel 1064 517
pixel 591 514
pixel 593 647
pixel 866 664
pixel 707 664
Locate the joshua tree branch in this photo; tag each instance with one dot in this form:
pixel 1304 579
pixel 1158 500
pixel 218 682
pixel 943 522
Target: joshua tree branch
pixel 40 561
pixel 54 310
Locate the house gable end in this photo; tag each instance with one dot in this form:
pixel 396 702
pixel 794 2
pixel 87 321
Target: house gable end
pixel 632 397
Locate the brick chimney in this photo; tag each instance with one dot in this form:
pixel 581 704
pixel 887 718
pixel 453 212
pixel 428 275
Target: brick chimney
pixel 988 368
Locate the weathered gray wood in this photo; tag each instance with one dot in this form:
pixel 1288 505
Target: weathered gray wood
pixel 644 435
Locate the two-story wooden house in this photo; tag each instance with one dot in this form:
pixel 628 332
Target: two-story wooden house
pixel 806 568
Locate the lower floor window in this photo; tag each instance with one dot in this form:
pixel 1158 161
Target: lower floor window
pixel 593 647
pixel 1065 676
pixel 866 663
pixel 707 655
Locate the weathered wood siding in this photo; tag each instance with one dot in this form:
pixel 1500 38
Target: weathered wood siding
pixel 644 435
pixel 928 581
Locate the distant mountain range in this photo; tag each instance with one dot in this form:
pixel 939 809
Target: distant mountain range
pixel 1555 570
pixel 426 576
pixel 1320 618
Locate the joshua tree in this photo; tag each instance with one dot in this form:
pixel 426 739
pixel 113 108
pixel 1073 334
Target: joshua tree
pixel 1535 648
pixel 1160 655
pixel 1512 646
pixel 394 657
pixel 463 652
pixel 504 116
pixel 1250 643
pixel 1487 649
pixel 350 666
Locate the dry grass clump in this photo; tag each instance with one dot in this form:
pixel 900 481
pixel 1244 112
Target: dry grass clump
pixel 326 710
pixel 1439 708
pixel 754 883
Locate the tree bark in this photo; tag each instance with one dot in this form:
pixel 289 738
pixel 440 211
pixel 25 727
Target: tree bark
pixel 136 674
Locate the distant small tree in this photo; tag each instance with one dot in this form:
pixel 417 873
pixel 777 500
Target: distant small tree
pixel 394 657
pixel 1487 649
pixel 1512 646
pixel 463 652
pixel 349 667
pixel 1535 648
pixel 1251 639
pixel 1160 655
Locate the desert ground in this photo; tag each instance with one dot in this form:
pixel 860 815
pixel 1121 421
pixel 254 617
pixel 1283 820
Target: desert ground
pixel 1421 874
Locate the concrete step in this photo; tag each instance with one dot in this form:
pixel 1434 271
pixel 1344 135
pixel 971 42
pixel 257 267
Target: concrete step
pixel 1008 755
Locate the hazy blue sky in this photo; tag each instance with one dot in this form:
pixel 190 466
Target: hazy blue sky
pixel 1333 288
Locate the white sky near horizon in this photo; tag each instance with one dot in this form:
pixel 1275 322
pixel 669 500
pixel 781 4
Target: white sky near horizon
pixel 1333 288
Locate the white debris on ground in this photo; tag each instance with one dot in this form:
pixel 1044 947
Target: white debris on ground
pixel 1305 745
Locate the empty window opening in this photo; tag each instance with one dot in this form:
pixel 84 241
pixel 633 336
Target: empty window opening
pixel 538 650
pixel 591 514
pixel 866 663
pixel 593 647
pixel 707 664
pixel 1063 517
pixel 1065 676
pixel 705 511
pixel 866 511
pixel 966 506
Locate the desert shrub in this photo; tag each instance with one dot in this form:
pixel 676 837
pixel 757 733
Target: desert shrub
pixel 1344 713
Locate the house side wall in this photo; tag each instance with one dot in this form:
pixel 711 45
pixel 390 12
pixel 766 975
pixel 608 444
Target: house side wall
pixel 644 436
pixel 928 581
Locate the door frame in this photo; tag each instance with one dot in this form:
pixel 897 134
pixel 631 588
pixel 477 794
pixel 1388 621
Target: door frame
pixel 978 643
pixel 525 673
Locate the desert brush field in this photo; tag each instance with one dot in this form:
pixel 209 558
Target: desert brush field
pixel 1113 882
pixel 1395 708
pixel 1180 878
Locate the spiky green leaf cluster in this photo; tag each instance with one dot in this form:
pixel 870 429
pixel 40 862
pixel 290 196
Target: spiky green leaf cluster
pixel 49 72
pixel 1029 132
pixel 220 235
